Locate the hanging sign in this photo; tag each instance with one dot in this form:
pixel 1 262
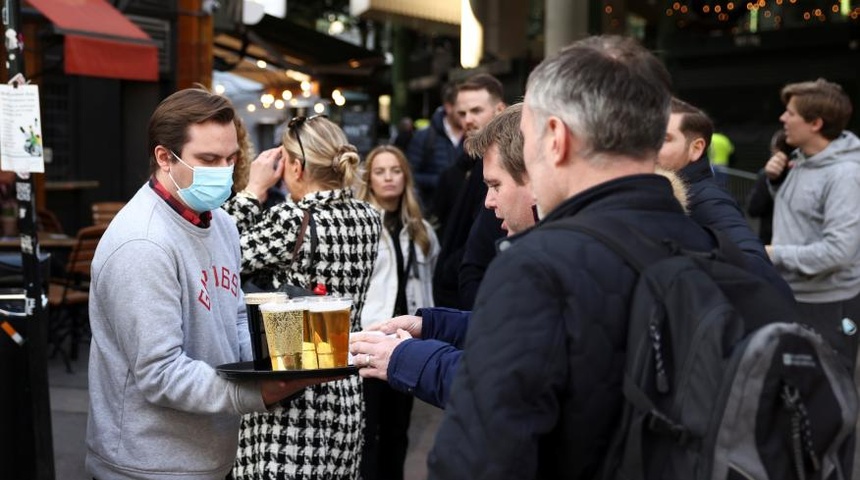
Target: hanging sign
pixel 21 147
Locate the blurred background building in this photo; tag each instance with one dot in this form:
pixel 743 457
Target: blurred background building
pixel 102 66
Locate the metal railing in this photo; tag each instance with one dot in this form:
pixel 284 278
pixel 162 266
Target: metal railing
pixel 738 183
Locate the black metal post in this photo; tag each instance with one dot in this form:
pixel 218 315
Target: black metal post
pixel 31 418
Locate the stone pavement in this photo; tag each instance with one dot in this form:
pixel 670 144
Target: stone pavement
pixel 69 401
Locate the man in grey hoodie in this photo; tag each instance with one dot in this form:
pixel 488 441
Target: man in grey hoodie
pixel 816 226
pixel 166 308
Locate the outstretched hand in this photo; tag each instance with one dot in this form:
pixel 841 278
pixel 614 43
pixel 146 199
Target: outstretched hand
pixel 372 352
pixel 410 323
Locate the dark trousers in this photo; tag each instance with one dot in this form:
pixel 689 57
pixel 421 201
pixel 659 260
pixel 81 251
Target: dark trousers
pixel 826 319
pixel 387 414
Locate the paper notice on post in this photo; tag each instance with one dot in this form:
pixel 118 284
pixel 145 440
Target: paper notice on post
pixel 21 129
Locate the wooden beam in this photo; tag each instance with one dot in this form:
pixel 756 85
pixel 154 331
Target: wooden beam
pixel 194 52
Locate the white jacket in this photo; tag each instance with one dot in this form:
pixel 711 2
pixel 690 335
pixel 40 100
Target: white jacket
pixel 382 292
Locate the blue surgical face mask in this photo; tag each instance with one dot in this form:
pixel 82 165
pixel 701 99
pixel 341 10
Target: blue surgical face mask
pixel 210 187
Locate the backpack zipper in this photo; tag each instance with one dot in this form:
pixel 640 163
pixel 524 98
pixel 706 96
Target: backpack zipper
pixel 655 324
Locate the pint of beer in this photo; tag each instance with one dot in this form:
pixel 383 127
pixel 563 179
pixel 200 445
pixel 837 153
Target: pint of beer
pixel 284 326
pixel 259 346
pixel 328 319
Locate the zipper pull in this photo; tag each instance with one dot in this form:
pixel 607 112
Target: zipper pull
pixel 662 378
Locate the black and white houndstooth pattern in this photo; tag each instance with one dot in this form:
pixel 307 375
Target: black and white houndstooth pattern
pixel 320 434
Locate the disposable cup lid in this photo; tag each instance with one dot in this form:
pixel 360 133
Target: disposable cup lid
pixel 288 306
pixel 329 304
pixel 259 298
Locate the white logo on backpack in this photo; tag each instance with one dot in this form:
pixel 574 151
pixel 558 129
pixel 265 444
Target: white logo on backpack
pixel 798 360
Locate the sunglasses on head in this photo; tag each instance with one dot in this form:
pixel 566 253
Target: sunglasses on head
pixel 294 125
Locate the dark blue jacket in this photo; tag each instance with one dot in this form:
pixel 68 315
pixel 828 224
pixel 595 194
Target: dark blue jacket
pixel 430 152
pixel 538 388
pixel 479 251
pixel 456 228
pixel 711 205
pixel 425 368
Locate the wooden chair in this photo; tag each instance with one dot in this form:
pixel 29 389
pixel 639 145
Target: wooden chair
pixel 103 212
pixel 47 221
pixel 68 296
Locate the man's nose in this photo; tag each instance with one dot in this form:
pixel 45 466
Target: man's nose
pixel 490 201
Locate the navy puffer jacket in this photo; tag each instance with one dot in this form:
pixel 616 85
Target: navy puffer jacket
pixel 537 393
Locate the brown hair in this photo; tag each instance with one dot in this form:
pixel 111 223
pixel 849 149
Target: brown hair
pixel 242 167
pixel 694 122
pixel 168 125
pixel 484 81
pixel 330 159
pixel 449 93
pixel 503 131
pixel 820 99
pixel 410 210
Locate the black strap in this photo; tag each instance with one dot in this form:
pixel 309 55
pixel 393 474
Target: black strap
pixel 308 221
pixel 638 249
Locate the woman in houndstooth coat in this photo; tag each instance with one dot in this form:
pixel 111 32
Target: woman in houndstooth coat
pixel 318 433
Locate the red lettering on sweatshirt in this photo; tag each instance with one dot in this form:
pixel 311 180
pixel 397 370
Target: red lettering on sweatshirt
pixel 223 277
pixel 203 295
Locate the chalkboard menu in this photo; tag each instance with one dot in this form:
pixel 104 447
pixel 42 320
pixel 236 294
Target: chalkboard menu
pixel 360 129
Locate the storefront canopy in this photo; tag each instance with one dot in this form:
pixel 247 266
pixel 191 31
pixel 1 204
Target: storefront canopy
pixel 100 41
pixel 288 46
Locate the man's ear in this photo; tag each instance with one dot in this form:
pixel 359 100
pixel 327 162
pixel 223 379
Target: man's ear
pixel 500 107
pixel 817 124
pixel 560 141
pixel 696 149
pixel 163 157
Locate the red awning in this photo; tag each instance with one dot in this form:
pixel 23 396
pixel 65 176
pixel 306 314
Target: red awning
pixel 100 40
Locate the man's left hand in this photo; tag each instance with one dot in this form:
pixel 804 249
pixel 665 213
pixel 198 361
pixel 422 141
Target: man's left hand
pixel 371 353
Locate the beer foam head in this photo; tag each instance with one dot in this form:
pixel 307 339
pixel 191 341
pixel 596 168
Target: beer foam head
pixel 259 298
pixel 329 304
pixel 287 306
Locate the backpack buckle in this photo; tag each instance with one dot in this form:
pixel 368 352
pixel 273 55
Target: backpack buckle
pixel 659 423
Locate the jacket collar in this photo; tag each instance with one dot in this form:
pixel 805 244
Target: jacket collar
pixel 633 192
pixel 696 171
pixel 646 192
pixel 323 197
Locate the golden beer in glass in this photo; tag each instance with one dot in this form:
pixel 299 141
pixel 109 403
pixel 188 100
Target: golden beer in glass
pixel 284 330
pixel 328 322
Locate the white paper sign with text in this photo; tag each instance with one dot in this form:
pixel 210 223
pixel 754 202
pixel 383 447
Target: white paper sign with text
pixel 21 147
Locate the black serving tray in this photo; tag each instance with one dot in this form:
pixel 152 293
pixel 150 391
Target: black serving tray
pixel 246 371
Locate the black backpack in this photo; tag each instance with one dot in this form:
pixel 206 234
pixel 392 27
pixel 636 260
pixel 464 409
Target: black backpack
pixel 721 380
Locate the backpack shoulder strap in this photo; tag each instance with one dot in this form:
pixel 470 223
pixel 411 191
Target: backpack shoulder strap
pixel 627 242
pixel 638 249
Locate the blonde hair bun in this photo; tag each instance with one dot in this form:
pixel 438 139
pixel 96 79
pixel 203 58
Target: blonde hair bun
pixel 346 158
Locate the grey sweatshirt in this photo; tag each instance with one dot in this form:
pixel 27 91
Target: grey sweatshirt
pixel 816 223
pixel 165 308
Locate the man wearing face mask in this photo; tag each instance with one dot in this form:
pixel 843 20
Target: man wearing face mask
pixel 166 308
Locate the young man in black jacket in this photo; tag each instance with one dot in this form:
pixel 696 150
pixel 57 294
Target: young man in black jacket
pixel 538 390
pixel 688 134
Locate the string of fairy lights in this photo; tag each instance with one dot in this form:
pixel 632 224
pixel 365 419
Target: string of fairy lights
pixel 751 15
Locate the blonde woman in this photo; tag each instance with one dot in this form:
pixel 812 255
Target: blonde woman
pixel 401 283
pixel 318 433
